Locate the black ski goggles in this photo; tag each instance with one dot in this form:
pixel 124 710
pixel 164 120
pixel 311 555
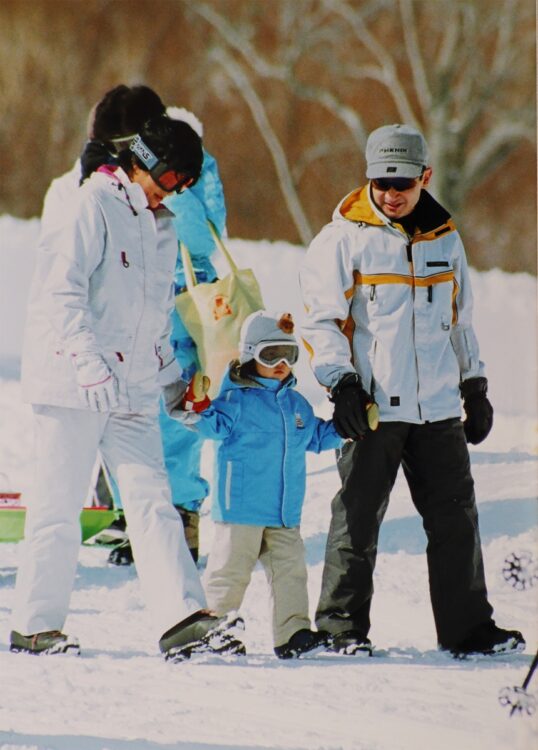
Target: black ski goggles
pixel 164 176
pixel 270 355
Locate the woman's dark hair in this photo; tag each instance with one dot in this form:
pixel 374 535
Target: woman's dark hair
pixel 248 370
pixel 123 110
pixel 173 142
pixel 95 155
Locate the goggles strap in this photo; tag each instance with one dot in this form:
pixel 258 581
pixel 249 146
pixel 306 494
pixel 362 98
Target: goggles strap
pixel 144 153
pixel 122 138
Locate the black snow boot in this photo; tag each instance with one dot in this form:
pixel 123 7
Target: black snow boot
pixel 122 554
pixel 351 643
pixel 303 643
pixel 489 640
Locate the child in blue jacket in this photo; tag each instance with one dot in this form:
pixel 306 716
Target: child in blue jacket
pixel 264 427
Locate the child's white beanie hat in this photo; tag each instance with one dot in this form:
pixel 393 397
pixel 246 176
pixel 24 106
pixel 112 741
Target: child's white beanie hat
pixel 184 115
pixel 264 326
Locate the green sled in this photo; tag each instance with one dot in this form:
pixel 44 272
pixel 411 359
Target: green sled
pixel 92 521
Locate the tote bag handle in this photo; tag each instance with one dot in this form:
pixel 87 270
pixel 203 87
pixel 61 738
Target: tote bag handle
pixel 220 244
pixel 190 276
pixel 188 270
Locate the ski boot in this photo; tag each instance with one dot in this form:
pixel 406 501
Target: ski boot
pixel 351 643
pixel 49 642
pixel 489 640
pixel 203 633
pixel 303 643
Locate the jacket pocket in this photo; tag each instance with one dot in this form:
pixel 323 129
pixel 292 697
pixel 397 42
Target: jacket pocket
pixel 228 485
pixel 471 348
pixel 233 484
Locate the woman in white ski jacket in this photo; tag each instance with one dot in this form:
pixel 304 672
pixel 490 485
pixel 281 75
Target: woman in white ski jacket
pixel 102 287
pixel 96 354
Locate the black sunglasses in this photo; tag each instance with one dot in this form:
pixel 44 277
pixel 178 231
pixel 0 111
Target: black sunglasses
pixel 400 184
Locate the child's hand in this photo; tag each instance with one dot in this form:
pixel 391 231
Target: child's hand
pixel 196 398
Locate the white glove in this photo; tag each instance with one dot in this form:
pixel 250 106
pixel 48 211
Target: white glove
pixel 173 395
pixel 97 386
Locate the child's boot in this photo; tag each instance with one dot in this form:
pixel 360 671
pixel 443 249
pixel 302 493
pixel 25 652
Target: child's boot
pixel 303 642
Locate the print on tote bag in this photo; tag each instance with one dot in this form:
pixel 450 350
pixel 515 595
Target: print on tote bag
pixel 213 312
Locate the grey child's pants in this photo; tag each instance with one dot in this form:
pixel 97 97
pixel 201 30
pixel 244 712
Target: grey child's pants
pixel 236 549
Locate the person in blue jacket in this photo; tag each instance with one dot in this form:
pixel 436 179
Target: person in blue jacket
pixel 182 447
pixel 264 428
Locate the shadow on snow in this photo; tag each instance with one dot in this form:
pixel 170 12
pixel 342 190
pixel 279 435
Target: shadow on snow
pixel 496 518
pixel 85 742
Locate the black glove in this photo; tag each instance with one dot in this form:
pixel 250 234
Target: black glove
pixel 478 410
pixel 350 401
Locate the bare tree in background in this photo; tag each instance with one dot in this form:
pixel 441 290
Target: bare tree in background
pixel 288 91
pixel 54 66
pixel 453 68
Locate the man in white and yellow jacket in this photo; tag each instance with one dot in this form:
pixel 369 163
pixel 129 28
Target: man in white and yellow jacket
pixel 388 299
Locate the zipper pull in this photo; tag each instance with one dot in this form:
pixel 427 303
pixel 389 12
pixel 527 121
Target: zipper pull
pixel 372 293
pixel 124 261
pixel 430 293
pixel 122 187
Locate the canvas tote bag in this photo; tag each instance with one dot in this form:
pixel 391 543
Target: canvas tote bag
pixel 213 313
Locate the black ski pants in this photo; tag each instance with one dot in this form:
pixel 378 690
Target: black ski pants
pixel 436 464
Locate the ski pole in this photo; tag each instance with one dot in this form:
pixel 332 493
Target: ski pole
pixel 517 697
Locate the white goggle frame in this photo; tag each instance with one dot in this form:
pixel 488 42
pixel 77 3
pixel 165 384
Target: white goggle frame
pixel 289 360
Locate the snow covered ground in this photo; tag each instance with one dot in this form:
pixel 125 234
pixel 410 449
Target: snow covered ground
pixel 121 695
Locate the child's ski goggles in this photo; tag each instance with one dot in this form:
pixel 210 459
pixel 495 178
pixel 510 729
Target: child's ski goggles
pixel 166 178
pixel 272 354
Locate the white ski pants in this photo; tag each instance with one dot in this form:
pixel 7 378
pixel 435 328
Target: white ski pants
pixel 66 445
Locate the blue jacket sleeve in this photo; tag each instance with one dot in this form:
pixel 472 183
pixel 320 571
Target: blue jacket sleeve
pixel 324 436
pixel 217 422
